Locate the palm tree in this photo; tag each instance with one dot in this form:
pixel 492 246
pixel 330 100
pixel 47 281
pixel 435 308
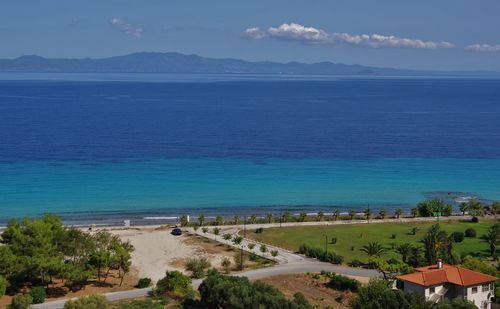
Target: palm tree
pixel 368 213
pixel 495 208
pixel 253 219
pixel 352 213
pixel 405 250
pixel 382 213
pixel 437 244
pixel 492 238
pixel 287 216
pixel 201 219
pixel 414 212
pixel 219 220
pixel 336 214
pixel 397 213
pixel 236 220
pixel 414 230
pixel 302 217
pixel 463 208
pixel 321 215
pixel 269 217
pixel 373 249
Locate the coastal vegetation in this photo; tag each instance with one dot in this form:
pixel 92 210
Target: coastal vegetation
pixel 36 254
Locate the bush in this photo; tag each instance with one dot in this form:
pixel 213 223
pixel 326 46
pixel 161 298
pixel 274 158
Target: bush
pixel 175 284
pixel 37 294
pixel 320 254
pixel 393 236
pixel 457 236
pixel 143 283
pixel 21 301
pixel 219 291
pixel 470 232
pixel 259 230
pixel 274 253
pixel 356 263
pixel 197 267
pixel 3 286
pixel 343 283
pixel 226 264
pixel 92 301
pixel 263 248
pixel 474 220
pixel 139 304
pixel 251 246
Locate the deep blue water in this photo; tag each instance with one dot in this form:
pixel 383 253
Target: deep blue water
pixel 153 147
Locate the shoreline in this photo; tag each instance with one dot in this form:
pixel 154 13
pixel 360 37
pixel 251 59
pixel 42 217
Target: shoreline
pixel 161 216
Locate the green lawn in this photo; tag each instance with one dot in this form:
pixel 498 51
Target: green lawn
pixel 350 238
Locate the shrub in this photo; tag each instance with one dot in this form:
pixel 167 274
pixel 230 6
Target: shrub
pixel 470 232
pixel 204 229
pixel 219 291
pixel 263 248
pixel 251 246
pixel 3 286
pixel 21 301
pixel 37 294
pixel 392 261
pixel 274 253
pixel 227 236
pixel 457 236
pixel 343 283
pixel 197 267
pixel 237 240
pixel 474 220
pixel 143 283
pixel 174 284
pixel 139 304
pixel 356 263
pixel 259 230
pixel 333 240
pixel 92 301
pixel 393 236
pixel 226 264
pixel 216 230
pixel 320 254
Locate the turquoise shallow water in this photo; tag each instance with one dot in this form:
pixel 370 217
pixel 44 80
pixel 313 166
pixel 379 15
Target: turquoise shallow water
pixel 174 186
pixel 101 149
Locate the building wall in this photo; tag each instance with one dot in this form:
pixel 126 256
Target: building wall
pixel 411 287
pixel 481 296
pixel 478 298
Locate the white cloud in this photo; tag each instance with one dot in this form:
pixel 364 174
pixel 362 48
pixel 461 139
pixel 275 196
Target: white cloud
pixel 311 35
pixel 298 32
pixel 125 27
pixel 254 33
pixel 483 48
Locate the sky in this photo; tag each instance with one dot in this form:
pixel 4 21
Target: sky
pixel 423 34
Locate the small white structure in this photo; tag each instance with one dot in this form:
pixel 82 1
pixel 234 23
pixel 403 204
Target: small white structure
pixel 447 281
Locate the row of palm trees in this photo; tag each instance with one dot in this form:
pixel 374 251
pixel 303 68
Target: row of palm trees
pixel 473 207
pixel 289 217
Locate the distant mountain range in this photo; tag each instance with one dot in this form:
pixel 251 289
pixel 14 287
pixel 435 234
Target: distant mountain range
pixel 152 62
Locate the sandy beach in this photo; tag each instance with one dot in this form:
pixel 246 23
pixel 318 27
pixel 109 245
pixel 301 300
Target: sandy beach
pixel 157 251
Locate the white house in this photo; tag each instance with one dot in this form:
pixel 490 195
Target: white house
pixel 443 280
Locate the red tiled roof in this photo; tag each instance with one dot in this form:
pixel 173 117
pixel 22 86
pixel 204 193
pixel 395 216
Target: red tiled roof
pixel 431 275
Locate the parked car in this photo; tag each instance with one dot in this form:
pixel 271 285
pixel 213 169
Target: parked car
pixel 176 232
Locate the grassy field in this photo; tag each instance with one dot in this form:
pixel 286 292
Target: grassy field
pixel 350 238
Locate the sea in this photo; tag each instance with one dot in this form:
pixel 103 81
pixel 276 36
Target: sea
pixel 104 148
